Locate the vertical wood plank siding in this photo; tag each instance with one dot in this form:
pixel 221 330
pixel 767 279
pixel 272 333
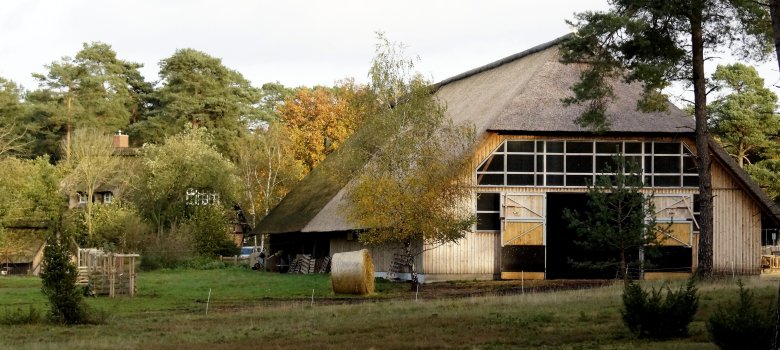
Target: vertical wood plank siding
pixel 737 226
pixel 381 257
pixel 476 254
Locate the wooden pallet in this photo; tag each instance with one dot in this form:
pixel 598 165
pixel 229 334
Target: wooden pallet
pixel 324 265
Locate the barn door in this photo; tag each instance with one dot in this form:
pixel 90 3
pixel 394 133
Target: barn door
pixel 523 236
pixel 675 217
pixel 676 211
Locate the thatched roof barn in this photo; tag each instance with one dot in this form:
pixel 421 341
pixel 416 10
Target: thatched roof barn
pixel 544 160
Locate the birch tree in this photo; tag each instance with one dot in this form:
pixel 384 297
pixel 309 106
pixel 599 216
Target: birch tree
pixel 90 164
pixel 411 191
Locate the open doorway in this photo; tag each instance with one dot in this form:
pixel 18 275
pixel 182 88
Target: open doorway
pixel 565 258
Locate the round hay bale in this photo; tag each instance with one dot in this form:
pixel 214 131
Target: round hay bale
pixel 352 273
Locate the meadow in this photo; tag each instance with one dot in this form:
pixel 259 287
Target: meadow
pixel 248 309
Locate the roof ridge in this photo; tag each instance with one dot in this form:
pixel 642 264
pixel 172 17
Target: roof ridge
pixel 503 61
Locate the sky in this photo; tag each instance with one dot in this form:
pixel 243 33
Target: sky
pixel 293 42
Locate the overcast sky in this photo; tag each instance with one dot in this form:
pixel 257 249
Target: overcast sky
pixel 293 42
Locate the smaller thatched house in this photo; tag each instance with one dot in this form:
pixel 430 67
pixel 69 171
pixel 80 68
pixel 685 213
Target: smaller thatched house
pixel 22 250
pixel 533 161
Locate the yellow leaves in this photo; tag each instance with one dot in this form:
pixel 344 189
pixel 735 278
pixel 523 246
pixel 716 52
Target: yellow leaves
pixel 319 120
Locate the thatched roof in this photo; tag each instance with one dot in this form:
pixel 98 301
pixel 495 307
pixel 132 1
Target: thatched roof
pixel 519 93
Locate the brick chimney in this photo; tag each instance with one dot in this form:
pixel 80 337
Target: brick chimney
pixel 121 141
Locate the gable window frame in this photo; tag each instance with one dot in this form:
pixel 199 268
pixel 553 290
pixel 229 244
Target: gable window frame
pixel 577 163
pixel 488 219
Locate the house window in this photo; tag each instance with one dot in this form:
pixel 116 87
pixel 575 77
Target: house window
pixel 201 197
pixel 108 197
pixel 488 212
pixel 82 198
pixel 579 163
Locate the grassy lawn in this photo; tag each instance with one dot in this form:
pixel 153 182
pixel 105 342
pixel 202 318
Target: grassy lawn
pixel 246 312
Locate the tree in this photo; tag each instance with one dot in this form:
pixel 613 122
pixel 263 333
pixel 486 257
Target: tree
pixel 59 281
pixel 267 168
pixel 319 120
pixel 91 165
pixel 180 174
pixel 619 218
pixel 411 190
pixel 655 43
pixel 13 138
pixel 766 174
pixel 744 120
pixel 96 89
pixel 198 91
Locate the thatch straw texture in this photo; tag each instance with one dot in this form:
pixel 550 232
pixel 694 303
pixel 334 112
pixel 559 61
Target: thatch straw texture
pixel 352 273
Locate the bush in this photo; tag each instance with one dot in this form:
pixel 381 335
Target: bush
pixel 208 226
pixel 169 250
pixel 653 315
pixel 744 325
pixel 19 316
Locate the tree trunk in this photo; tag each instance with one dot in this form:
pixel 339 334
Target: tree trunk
pixel 702 145
pixel 774 13
pixel 412 267
pixel 623 272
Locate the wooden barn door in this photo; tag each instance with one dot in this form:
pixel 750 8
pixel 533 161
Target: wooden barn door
pixel 523 236
pixel 679 243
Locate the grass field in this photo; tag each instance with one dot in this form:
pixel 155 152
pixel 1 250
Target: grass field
pixel 270 311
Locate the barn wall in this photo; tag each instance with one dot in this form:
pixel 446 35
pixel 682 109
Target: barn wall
pixel 737 226
pixel 476 254
pixel 382 257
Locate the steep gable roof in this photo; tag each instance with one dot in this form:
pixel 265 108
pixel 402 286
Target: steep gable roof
pixel 519 93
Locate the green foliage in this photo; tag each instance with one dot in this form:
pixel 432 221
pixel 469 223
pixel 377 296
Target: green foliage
pixel 267 170
pixel 95 89
pixel 743 325
pixel 19 316
pixel 199 91
pixel 184 162
pixel 117 227
pixel 170 250
pixel 744 120
pixel 650 42
pixel 59 274
pixel 28 196
pixel 650 314
pixel 767 174
pixel 13 136
pixel 89 165
pixel 620 218
pixel 208 225
pixel 410 191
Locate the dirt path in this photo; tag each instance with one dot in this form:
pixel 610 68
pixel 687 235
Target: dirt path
pixel 430 291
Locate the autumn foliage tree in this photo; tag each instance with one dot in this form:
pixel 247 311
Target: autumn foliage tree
pixel 267 169
pixel 320 119
pixel 411 190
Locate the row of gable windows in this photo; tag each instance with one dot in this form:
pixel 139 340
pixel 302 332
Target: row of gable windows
pixel 106 197
pixel 567 163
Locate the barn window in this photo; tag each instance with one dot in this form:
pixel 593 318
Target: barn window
pixel 488 212
pixel 579 163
